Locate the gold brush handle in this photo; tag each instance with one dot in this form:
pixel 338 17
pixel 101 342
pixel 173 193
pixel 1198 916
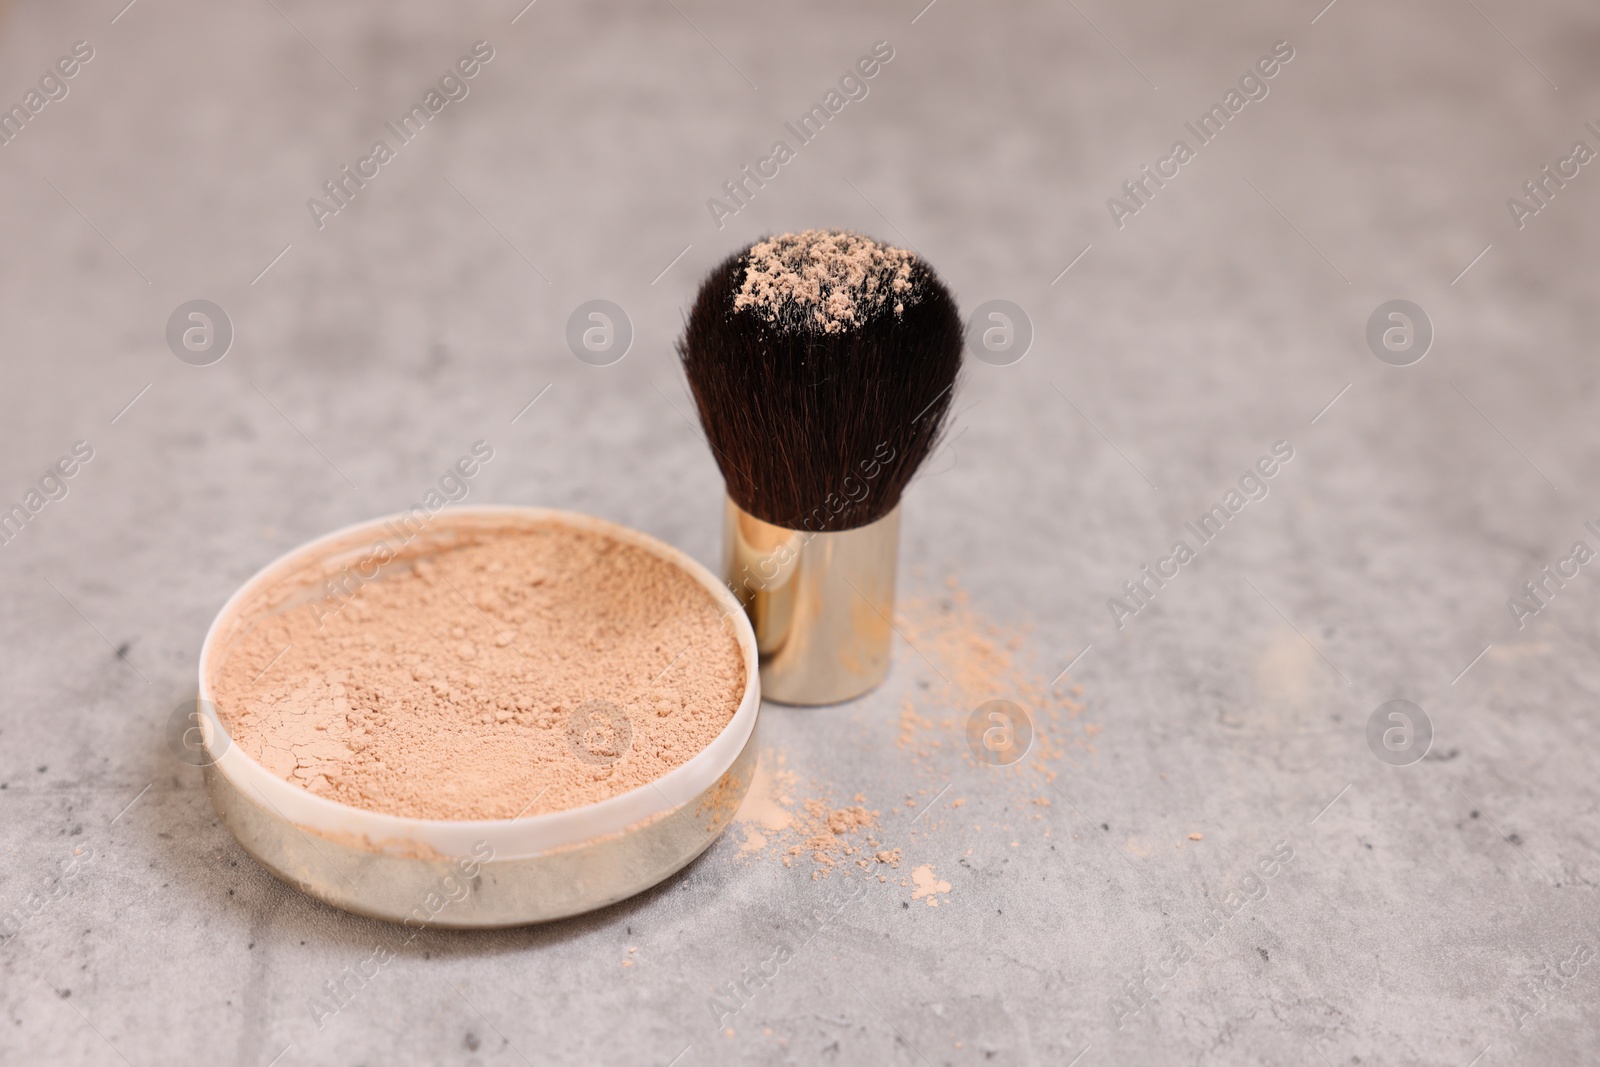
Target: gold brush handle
pixel 821 603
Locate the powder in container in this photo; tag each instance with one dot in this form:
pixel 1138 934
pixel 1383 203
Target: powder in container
pixel 515 674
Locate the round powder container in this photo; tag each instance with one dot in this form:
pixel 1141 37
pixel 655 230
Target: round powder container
pixel 467 872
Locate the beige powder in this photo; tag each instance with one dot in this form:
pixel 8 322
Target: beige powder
pixel 833 278
pixel 796 820
pixel 777 822
pixel 521 673
pixel 928 885
pixel 980 659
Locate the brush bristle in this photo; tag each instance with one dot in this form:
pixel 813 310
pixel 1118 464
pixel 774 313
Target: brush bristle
pixel 823 366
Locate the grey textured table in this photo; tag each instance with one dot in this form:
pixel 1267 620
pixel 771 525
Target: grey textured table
pixel 1432 913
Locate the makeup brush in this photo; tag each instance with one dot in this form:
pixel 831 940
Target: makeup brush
pixel 823 365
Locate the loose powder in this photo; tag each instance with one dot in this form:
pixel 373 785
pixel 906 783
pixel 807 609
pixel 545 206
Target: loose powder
pixel 520 673
pixel 981 659
pixel 800 821
pixel 928 885
pixel 809 829
pixel 834 279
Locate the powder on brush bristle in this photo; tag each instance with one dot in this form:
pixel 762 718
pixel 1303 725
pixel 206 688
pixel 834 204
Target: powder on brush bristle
pixel 828 280
pixel 823 365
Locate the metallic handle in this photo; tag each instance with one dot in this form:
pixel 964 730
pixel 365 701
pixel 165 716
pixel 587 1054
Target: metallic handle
pixel 821 603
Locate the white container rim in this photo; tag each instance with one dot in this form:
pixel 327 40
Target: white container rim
pixel 509 838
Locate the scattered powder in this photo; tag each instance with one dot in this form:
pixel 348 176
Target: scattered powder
pixel 830 835
pixel 1288 689
pixel 515 674
pixel 768 804
pixel 842 821
pixel 1197 837
pixel 928 885
pixel 810 829
pixel 832 279
pixel 979 660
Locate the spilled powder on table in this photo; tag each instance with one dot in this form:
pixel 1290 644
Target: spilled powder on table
pixel 952 660
pixel 768 804
pixel 775 819
pixel 1290 680
pixel 980 659
pixel 928 885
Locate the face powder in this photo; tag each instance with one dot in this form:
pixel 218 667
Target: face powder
pixel 515 673
pixel 825 280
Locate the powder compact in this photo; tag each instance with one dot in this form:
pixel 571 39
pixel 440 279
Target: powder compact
pixel 483 717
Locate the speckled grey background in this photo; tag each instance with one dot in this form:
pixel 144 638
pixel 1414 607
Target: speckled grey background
pixel 1423 901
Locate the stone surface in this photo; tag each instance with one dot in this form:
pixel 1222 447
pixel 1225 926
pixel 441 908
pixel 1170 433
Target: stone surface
pixel 1223 316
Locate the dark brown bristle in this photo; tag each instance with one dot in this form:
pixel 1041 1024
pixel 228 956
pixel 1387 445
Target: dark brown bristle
pixel 819 424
